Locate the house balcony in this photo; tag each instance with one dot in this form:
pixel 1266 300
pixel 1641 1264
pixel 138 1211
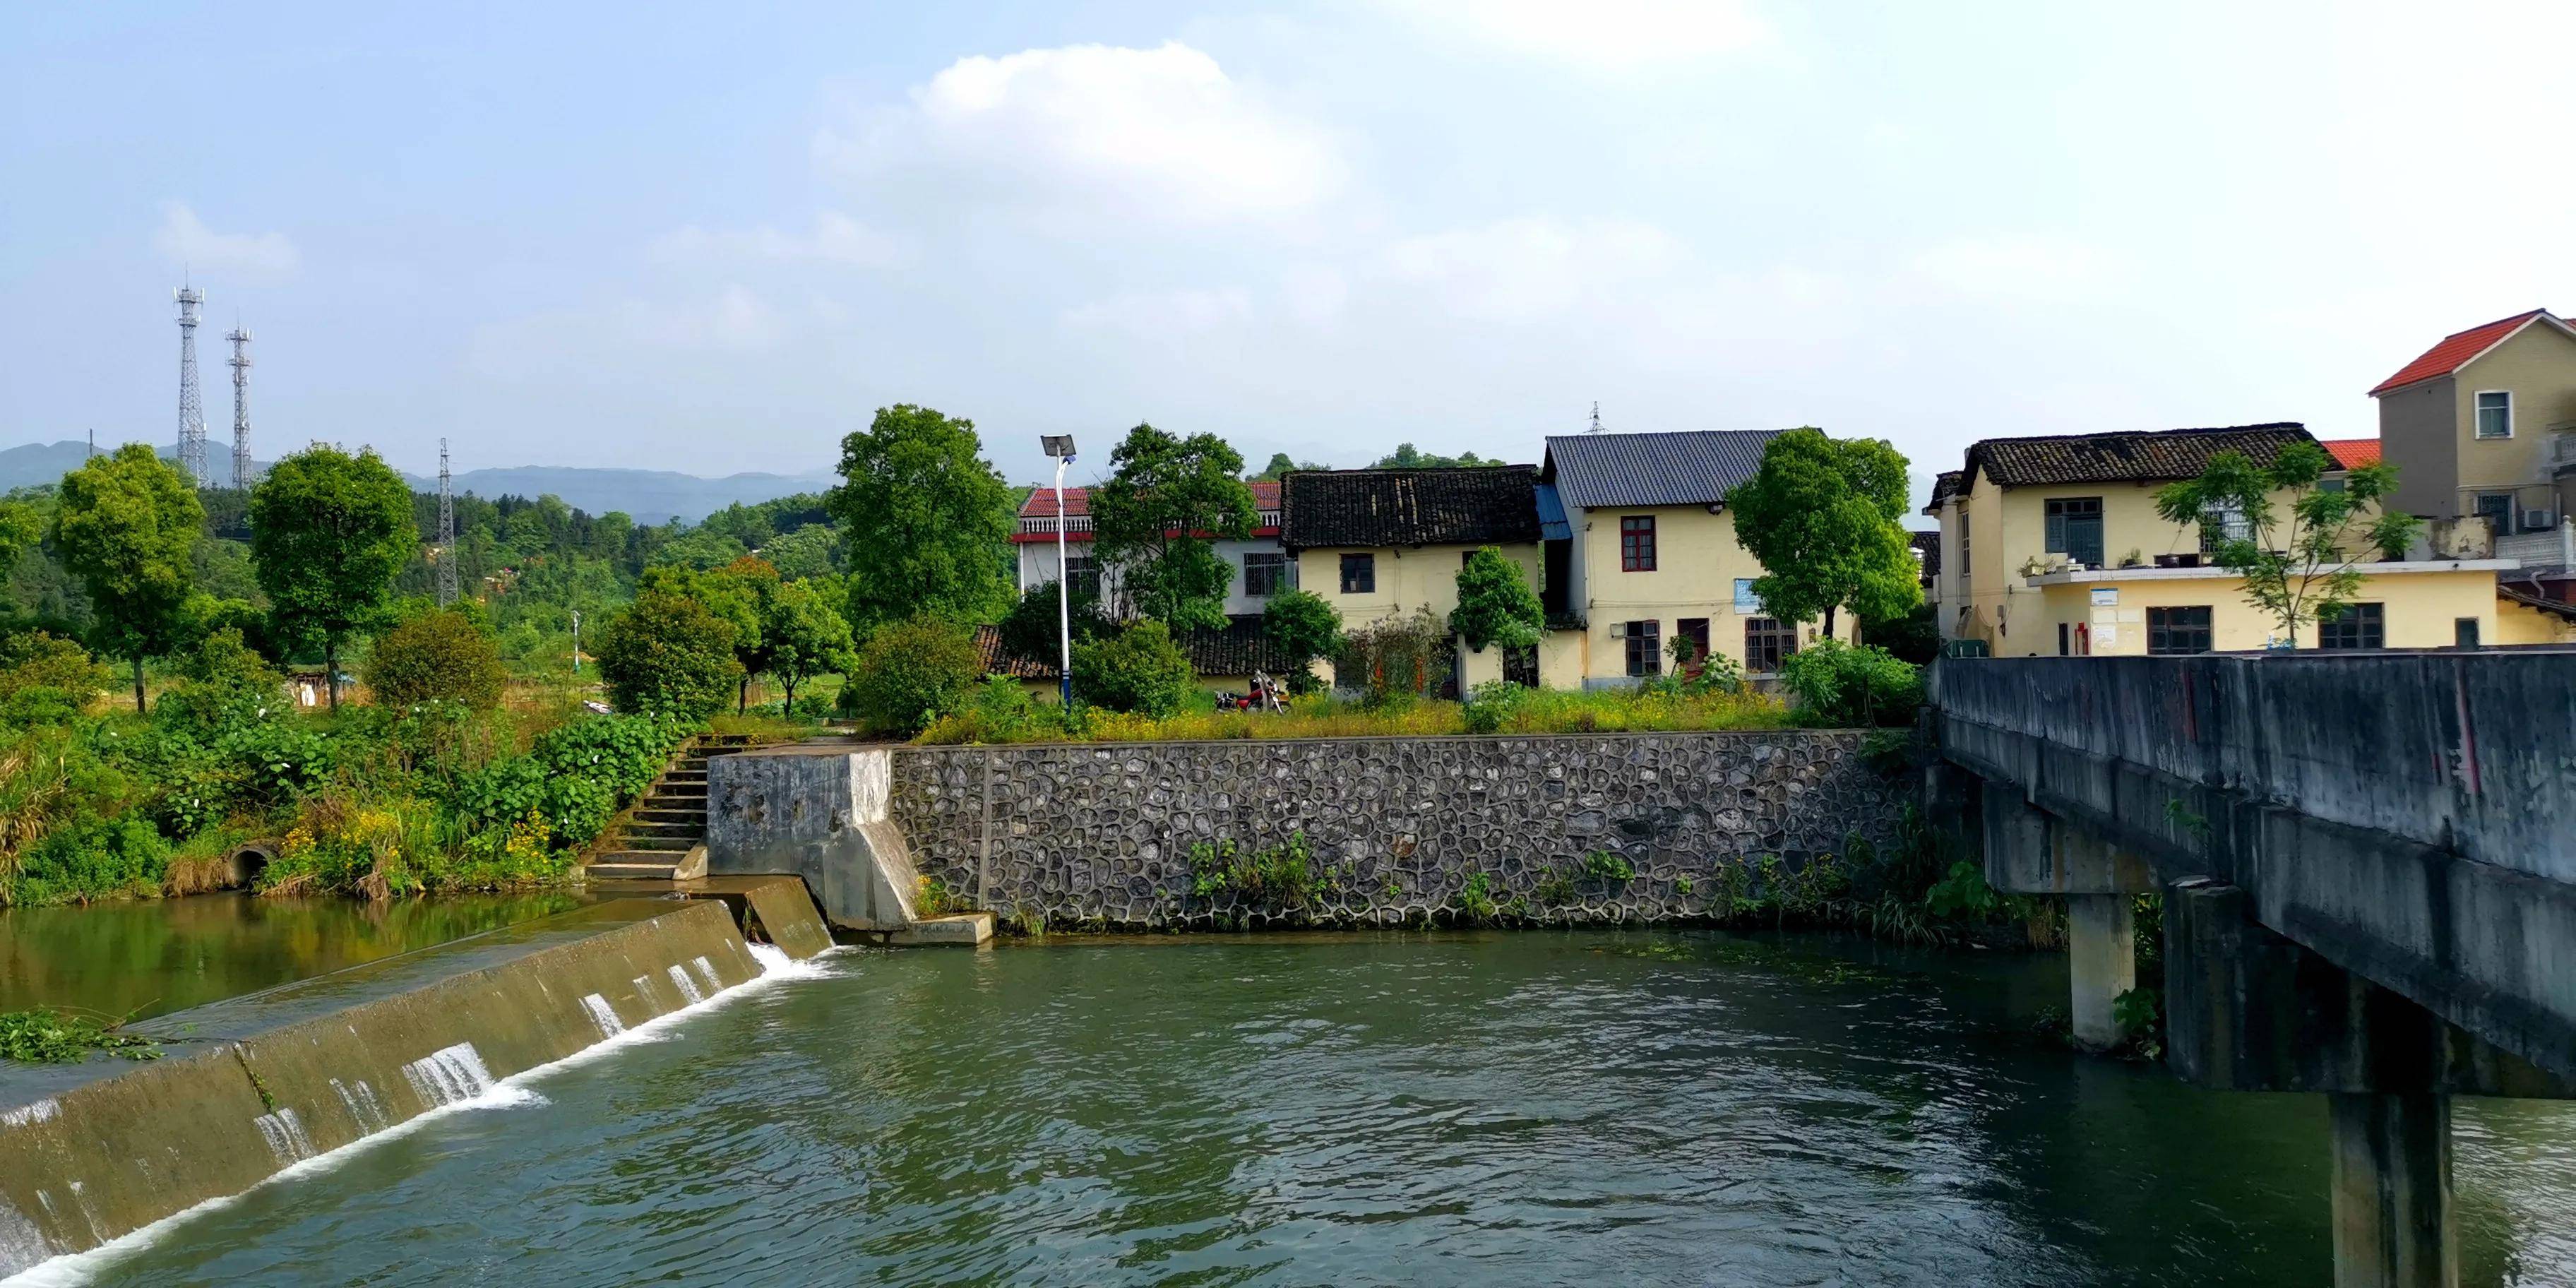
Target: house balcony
pixel 2562 449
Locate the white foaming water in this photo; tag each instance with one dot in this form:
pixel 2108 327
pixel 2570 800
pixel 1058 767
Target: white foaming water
pixel 603 1015
pixel 449 1075
pixel 25 1115
pixel 363 1105
pixel 73 1270
pixel 707 972
pixel 688 986
pixel 284 1133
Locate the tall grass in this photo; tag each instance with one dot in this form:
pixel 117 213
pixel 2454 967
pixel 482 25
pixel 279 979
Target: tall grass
pixel 1533 713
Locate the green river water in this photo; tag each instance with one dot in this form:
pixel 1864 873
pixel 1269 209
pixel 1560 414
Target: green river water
pixel 1471 1109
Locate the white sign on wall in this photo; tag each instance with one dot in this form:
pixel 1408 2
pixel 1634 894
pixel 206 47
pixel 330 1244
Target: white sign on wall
pixel 2105 596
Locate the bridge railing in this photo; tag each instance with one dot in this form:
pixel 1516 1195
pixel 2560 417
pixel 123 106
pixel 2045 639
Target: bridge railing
pixel 2474 751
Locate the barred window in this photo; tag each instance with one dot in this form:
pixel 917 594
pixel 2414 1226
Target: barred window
pixel 2178 630
pixel 1766 641
pixel 1359 574
pixel 2357 626
pixel 1645 648
pixel 1265 575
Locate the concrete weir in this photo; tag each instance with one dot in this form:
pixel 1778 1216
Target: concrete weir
pixel 819 812
pixel 254 1084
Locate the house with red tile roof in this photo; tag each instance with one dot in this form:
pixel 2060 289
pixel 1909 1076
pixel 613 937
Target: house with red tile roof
pixel 1261 567
pixel 2483 425
pixel 2351 453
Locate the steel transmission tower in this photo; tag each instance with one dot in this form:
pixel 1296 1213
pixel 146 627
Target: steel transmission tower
pixel 192 406
pixel 241 406
pixel 446 530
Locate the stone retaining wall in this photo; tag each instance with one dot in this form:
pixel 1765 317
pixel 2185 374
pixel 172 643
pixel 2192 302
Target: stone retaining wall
pixel 1397 828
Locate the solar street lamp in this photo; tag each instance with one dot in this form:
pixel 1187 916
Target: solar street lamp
pixel 1060 446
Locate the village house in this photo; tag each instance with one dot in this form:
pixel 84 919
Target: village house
pixel 2053 546
pixel 1261 567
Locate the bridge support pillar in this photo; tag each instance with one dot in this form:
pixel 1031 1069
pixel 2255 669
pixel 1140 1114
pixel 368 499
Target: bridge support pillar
pixel 2393 1225
pixel 2101 964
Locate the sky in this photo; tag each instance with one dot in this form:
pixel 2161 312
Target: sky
pixel 715 239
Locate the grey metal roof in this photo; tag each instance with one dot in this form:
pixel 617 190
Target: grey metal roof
pixel 1690 467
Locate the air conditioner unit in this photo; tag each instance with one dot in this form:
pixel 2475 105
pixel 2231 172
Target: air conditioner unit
pixel 2538 520
pixel 1618 630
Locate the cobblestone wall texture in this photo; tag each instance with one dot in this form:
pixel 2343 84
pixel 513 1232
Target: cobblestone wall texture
pixel 1398 829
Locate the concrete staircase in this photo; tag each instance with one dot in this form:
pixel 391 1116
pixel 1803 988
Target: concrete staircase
pixel 665 835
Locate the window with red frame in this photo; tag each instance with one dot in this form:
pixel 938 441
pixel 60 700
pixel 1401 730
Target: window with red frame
pixel 1637 543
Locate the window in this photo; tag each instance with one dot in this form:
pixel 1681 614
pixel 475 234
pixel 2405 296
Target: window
pixel 2331 484
pixel 1265 575
pixel 1359 574
pixel 2357 626
pixel 1963 549
pixel 1766 641
pixel 2223 524
pixel 2497 507
pixel 2178 630
pixel 2075 529
pixel 2063 649
pixel 1520 666
pixel 2495 414
pixel 1637 543
pixel 1082 573
pixel 1645 647
pixel 1746 602
pixel 1694 629
pixel 2464 632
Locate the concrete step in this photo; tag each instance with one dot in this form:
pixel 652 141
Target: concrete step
pixel 660 843
pixel 651 811
pixel 679 776
pixel 613 868
pixel 695 829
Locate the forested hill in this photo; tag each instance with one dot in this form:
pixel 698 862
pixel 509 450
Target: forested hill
pixel 651 496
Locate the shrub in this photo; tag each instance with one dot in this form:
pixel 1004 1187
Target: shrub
pixel 911 671
pixel 1491 704
pixel 1309 628
pixel 1029 629
pixel 1140 671
pixel 35 659
pixel 93 858
pixel 226 684
pixel 1401 657
pixel 667 654
pixel 1838 684
pixel 433 656
pixel 1495 603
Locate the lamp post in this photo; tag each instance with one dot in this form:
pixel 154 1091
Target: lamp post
pixel 1060 446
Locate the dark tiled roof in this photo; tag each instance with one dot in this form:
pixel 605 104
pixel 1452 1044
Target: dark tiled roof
pixel 1242 648
pixel 2542 602
pixel 1694 467
pixel 1462 507
pixel 2158 456
pixel 1946 484
pixel 1928 545
pixel 2457 348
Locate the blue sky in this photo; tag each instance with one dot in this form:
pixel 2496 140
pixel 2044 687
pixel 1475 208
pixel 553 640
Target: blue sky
pixel 715 241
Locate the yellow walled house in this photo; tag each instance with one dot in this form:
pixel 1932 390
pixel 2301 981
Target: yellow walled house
pixel 2124 612
pixel 1639 548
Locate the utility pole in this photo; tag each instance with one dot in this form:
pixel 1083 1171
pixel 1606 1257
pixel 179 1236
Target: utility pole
pixel 1060 446
pixel 576 641
pixel 192 406
pixel 241 406
pixel 446 530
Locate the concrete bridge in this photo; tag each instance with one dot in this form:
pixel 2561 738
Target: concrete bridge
pixel 2369 864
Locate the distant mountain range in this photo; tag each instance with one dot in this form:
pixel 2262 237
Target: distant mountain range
pixel 647 496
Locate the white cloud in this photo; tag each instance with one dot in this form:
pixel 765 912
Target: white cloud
pixel 836 239
pixel 1607 35
pixel 1163 313
pixel 2018 268
pixel 185 240
pixel 1533 268
pixel 1162 135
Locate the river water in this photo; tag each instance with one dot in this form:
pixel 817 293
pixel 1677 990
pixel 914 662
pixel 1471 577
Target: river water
pixel 1497 1109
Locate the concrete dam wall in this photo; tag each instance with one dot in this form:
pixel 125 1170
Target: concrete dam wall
pixel 1395 828
pixel 253 1085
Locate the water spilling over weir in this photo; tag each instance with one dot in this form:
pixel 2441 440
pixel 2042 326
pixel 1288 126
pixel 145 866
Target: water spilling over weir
pixel 255 1085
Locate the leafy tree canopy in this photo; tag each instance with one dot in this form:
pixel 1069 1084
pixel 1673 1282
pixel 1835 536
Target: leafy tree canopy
pixel 1280 464
pixel 1308 627
pixel 1825 517
pixel 922 516
pixel 913 670
pixel 329 531
pixel 1139 669
pixel 810 551
pixel 1029 629
pixel 20 528
pixel 668 655
pixel 2297 568
pixel 127 526
pixel 1407 457
pixel 1155 519
pixel 442 654
pixel 803 637
pixel 1495 603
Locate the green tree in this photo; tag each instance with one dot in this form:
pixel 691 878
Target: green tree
pixel 127 526
pixel 20 528
pixel 2297 569
pixel 440 654
pixel 668 654
pixel 1308 627
pixel 1280 464
pixel 328 533
pixel 1029 630
pixel 1155 519
pixel 1826 519
pixel 810 551
pixel 911 671
pixel 1139 669
pixel 745 594
pixel 1407 457
pixel 1495 603
pixel 922 516
pixel 804 638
